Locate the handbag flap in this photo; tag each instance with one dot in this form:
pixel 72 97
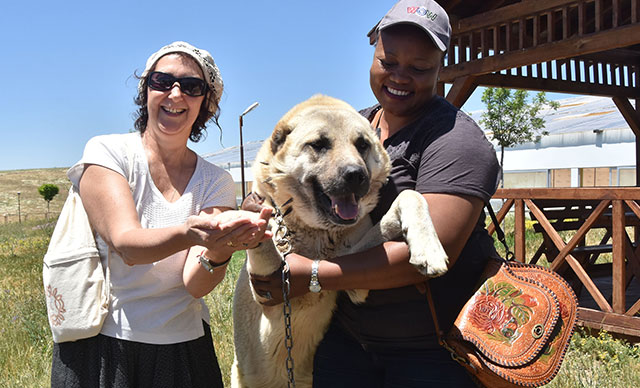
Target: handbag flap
pixel 510 318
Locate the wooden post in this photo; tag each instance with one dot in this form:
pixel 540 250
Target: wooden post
pixel 520 249
pixel 618 273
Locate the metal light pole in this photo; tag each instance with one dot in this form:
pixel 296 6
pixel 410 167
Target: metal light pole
pixel 19 217
pixel 249 109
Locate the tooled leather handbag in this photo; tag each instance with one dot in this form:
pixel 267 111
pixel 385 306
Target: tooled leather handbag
pixel 516 328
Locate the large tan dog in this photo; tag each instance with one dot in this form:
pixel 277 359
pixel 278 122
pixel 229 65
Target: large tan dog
pixel 324 156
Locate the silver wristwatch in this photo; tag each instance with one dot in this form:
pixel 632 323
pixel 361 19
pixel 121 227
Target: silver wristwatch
pixel 208 264
pixel 314 284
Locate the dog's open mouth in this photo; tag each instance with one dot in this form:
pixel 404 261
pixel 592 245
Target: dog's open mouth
pixel 341 209
pixel 345 207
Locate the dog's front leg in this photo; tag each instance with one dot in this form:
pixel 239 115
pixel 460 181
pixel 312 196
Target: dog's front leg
pixel 409 214
pixel 408 218
pixel 263 261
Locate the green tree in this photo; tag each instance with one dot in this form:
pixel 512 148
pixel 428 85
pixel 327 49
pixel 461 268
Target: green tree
pixel 511 119
pixel 48 191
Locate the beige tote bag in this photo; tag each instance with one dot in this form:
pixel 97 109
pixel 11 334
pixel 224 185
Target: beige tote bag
pixel 76 285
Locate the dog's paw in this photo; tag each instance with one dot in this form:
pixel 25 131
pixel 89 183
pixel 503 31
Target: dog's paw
pixel 431 266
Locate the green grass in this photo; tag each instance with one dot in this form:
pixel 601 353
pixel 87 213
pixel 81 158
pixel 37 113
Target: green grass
pixel 25 340
pixel 593 359
pixel 220 302
pixel 599 361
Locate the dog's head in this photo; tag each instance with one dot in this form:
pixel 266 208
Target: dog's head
pixel 325 156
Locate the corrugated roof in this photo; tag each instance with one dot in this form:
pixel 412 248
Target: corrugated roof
pixel 586 113
pixel 579 121
pixel 230 157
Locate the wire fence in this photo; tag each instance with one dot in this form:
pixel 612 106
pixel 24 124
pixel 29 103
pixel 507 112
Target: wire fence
pixel 8 218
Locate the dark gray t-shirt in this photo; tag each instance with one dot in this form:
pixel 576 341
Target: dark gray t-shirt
pixel 444 151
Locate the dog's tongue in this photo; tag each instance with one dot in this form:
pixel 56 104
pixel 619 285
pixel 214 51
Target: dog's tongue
pixel 345 207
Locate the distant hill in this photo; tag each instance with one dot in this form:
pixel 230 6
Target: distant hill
pixel 31 202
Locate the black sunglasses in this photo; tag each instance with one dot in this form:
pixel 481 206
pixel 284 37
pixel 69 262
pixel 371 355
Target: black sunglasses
pixel 191 86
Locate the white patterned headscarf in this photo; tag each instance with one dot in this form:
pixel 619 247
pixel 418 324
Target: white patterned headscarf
pixel 202 57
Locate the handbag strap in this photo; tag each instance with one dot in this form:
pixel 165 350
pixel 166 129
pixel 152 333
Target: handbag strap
pixel 499 232
pixel 440 334
pixel 432 307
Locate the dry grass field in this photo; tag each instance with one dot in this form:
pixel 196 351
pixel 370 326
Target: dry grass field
pixel 32 205
pixel 593 361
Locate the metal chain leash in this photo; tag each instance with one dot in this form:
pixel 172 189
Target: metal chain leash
pixel 284 245
pixel 288 336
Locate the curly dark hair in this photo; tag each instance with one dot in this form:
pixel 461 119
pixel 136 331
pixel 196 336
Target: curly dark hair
pixel 198 130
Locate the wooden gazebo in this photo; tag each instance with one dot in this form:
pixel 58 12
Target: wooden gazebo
pixel 570 46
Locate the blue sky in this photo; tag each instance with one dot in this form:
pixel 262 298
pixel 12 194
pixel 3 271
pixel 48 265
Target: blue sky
pixel 67 66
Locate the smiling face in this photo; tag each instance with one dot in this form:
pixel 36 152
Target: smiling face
pixel 172 112
pixel 405 70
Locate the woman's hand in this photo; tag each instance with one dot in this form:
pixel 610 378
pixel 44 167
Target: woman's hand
pixel 225 236
pixel 217 237
pixel 299 277
pixel 247 232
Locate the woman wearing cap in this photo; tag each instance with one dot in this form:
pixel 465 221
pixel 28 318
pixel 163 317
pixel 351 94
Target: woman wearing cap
pixel 153 203
pixel 390 340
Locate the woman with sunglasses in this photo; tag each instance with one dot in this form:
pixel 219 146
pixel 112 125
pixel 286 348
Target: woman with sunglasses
pixel 153 203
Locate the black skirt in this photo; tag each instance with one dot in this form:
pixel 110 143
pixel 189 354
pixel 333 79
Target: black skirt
pixel 107 362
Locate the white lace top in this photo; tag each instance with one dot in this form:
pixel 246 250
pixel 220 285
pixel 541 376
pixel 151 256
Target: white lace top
pixel 149 303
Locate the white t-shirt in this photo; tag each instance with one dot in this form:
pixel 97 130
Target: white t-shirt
pixel 149 302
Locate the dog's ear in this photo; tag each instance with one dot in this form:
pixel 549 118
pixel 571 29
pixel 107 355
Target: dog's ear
pixel 279 135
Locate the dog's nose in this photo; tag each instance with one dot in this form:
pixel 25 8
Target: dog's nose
pixel 356 180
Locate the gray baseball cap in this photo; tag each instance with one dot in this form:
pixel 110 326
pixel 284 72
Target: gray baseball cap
pixel 426 14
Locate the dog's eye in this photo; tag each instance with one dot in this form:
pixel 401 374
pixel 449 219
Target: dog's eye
pixel 362 145
pixel 320 145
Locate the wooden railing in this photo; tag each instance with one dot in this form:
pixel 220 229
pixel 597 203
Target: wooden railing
pixel 617 212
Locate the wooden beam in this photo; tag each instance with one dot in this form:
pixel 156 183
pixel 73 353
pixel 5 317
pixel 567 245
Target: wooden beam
pixel 621 56
pixel 632 117
pixel 490 5
pixel 581 232
pixel 633 310
pixel 629 113
pixel 633 260
pixel 630 193
pixel 614 38
pixel 440 89
pixel 615 323
pixel 461 90
pixel 509 13
pixel 557 240
pixel 559 86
